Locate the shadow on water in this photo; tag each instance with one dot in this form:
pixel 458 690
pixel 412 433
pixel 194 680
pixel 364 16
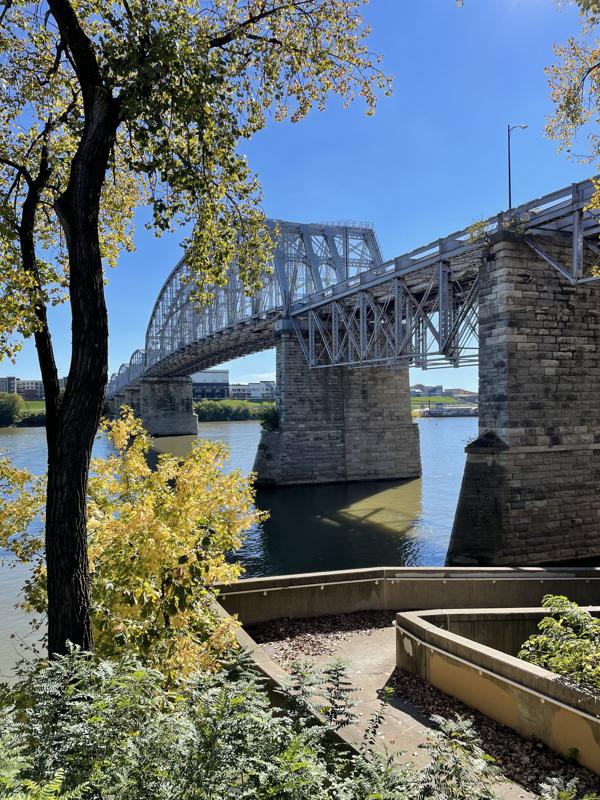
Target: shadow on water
pixel 335 526
pixel 349 526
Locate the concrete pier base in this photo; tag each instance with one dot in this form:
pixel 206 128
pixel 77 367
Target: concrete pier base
pixel 530 492
pixel 166 407
pixel 337 425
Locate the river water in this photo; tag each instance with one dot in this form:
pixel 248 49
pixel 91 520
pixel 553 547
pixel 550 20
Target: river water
pixel 310 528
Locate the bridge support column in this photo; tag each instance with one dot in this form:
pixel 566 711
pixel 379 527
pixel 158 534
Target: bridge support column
pixel 166 407
pixel 530 491
pixel 132 398
pixel 337 424
pixel 118 400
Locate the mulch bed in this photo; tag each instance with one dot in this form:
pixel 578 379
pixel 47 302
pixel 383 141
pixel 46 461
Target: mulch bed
pixel 527 762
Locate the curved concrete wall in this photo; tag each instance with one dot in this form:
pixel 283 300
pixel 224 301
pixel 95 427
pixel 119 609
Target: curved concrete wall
pixel 403 588
pixel 531 700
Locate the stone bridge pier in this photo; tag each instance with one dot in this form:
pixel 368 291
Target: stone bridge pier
pixel 337 424
pixel 166 407
pixel 531 487
pixel 132 398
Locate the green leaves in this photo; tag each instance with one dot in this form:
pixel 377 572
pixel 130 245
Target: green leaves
pixel 574 82
pixel 568 643
pixel 117 729
pixel 192 81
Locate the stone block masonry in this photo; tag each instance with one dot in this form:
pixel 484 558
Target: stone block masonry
pixel 337 425
pixel 166 407
pixel 531 487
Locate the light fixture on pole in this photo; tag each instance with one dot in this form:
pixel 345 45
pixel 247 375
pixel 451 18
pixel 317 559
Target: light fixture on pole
pixel 510 129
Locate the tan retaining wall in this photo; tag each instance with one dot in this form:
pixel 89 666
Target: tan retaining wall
pixel 528 699
pixel 316 594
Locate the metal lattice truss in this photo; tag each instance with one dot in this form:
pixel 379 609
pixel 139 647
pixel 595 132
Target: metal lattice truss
pixel 348 307
pixel 308 258
pixel 421 309
pixel 432 324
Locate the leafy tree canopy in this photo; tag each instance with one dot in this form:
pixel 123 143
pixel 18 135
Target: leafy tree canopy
pixel 575 88
pixel 11 405
pixel 187 82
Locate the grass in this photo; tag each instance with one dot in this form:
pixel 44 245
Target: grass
pixel 417 402
pixel 35 405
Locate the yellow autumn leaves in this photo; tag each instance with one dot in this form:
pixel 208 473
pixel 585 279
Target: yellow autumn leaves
pixel 575 90
pixel 158 539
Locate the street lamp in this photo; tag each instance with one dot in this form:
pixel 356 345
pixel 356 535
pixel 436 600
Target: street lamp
pixel 510 129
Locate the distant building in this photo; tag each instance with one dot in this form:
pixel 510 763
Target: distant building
pixel 239 391
pixel 212 384
pixel 9 385
pixel 261 390
pixel 462 395
pixel 30 390
pixel 420 390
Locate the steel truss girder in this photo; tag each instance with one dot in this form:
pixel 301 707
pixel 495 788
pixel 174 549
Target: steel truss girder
pixel 435 327
pixel 307 257
pixel 349 307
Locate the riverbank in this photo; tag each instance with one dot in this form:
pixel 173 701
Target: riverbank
pixel 232 410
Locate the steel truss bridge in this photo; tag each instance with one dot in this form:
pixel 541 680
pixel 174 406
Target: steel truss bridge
pixel 348 307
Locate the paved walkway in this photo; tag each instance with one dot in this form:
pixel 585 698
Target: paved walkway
pixel 371 659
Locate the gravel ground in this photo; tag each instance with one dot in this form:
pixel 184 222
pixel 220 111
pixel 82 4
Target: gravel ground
pixel 293 639
pixel 524 761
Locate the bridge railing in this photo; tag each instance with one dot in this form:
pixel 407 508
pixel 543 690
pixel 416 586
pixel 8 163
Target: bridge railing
pixel 557 212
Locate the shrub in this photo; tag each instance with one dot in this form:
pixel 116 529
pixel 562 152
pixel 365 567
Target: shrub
pixel 229 410
pixel 117 729
pixel 568 643
pixel 11 405
pixel 31 419
pixel 158 540
pixel 270 419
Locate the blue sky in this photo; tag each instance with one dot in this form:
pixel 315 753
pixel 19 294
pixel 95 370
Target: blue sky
pixel 432 159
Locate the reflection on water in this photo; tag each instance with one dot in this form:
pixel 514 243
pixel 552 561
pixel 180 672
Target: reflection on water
pixel 311 528
pixel 347 526
pixel 340 526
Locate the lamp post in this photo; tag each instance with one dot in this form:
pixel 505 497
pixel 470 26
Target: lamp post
pixel 510 129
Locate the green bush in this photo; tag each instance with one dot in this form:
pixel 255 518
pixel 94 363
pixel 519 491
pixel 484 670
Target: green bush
pixel 229 410
pixel 31 419
pixel 114 729
pixel 568 644
pixel 11 405
pixel 269 419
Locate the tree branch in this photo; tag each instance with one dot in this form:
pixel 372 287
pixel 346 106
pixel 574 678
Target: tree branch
pixel 235 32
pixel 20 168
pixel 80 47
pixel 43 339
